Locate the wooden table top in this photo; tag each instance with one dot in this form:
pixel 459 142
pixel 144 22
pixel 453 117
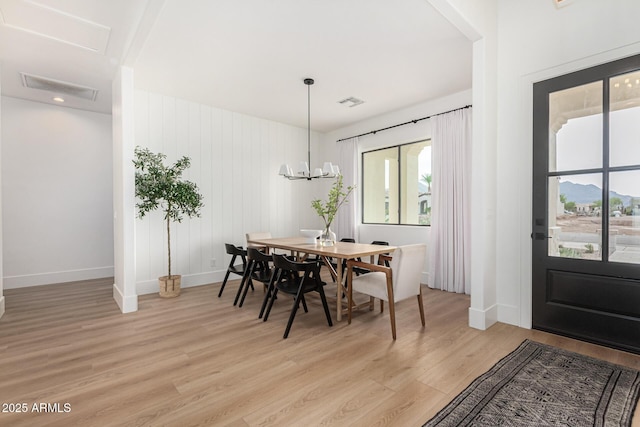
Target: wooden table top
pixel 343 250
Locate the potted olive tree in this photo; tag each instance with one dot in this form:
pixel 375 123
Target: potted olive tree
pixel 162 187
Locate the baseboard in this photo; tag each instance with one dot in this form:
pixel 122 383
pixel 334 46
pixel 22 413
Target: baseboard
pixel 151 286
pixel 483 319
pixel 509 314
pixel 1 306
pixel 127 304
pixel 14 282
pixel 426 278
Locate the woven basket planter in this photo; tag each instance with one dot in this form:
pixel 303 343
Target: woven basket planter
pixel 170 285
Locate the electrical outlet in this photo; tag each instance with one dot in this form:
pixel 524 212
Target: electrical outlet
pixel 212 263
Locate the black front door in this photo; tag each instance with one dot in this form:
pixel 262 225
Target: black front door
pixel 586 205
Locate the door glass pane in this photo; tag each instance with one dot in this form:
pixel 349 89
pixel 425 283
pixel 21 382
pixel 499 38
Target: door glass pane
pixel 624 217
pixel 575 128
pixel 575 222
pixel 415 167
pixel 380 186
pixel 624 120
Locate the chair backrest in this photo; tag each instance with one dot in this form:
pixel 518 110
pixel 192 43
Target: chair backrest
pixel 284 263
pixel 233 249
pixel 257 255
pixel 381 243
pixel 348 240
pixel 406 265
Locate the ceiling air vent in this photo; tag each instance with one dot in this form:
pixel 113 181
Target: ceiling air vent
pixel 562 3
pixel 58 87
pixel 351 102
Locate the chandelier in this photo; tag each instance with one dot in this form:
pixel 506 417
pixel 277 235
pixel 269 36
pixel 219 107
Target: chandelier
pixel 328 170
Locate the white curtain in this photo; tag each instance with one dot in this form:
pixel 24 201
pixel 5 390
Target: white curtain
pixel 450 246
pixel 345 222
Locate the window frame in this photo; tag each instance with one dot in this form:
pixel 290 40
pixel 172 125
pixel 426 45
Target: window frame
pixel 401 196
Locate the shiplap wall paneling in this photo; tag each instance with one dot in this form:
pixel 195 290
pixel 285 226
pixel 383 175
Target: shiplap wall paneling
pixel 143 228
pixel 235 160
pixel 190 138
pixel 217 189
pixel 204 182
pixel 159 127
pixel 182 233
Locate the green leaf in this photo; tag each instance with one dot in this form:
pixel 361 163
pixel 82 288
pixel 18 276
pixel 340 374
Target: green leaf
pixel 327 210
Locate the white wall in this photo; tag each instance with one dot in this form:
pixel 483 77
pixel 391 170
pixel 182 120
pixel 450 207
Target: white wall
pixel 478 21
pixel 56 194
pixel 538 41
pixel 124 284
pixel 234 161
pixel 395 234
pixel 1 270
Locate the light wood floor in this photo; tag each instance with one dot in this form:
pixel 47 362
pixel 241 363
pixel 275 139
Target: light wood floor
pixel 198 360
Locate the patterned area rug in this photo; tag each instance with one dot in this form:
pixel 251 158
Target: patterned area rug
pixel 538 385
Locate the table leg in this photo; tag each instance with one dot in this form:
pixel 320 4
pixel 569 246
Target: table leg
pixel 371 299
pixel 339 289
pixel 336 274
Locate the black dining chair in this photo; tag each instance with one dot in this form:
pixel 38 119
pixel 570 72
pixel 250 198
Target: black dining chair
pixel 235 252
pixel 259 268
pixel 272 284
pixel 296 278
pixel 344 261
pixel 382 260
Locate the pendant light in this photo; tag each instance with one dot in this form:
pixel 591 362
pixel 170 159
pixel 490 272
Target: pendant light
pixel 328 170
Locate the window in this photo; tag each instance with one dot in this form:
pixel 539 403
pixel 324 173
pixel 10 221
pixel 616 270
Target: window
pixel 396 185
pixel 593 170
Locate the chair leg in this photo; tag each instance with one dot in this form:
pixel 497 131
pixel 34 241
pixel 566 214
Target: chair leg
pixel 421 306
pixel 392 316
pixel 349 295
pixel 267 296
pixel 381 306
pixel 326 306
pixel 392 306
pixel 294 309
pixel 246 289
pixel 304 303
pixel 239 292
pixel 245 277
pixel 273 297
pixel 265 301
pixel 224 282
pixel 274 294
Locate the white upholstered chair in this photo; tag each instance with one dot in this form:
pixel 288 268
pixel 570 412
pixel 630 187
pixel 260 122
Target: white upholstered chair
pixel 399 281
pixel 257 235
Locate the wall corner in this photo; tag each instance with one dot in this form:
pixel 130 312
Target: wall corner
pixel 1 239
pixel 127 304
pixel 483 319
pixel 124 287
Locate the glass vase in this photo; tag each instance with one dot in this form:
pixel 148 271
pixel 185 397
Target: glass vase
pixel 328 237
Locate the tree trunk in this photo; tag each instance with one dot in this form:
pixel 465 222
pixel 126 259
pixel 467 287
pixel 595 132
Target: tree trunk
pixel 169 245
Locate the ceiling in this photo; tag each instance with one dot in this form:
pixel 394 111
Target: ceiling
pixel 77 42
pixel 248 56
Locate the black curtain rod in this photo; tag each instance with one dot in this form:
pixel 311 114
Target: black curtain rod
pixel 405 123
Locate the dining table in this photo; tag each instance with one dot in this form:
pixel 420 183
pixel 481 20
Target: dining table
pixel 302 247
